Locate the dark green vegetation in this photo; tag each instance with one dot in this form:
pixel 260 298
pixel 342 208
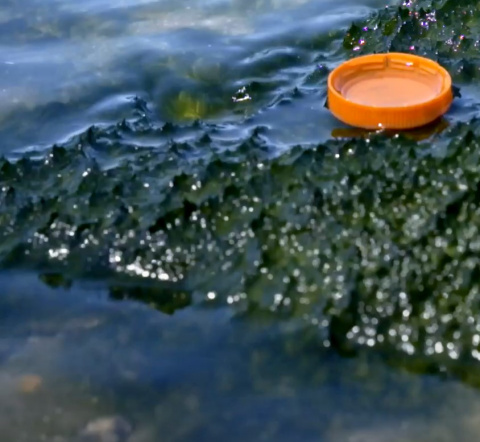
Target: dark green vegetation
pixel 445 30
pixel 369 244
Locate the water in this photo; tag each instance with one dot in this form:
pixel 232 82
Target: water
pixel 200 375
pixel 65 66
pixel 89 358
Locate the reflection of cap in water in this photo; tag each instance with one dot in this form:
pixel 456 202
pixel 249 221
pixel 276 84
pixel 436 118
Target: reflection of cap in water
pixel 389 91
pixel 417 134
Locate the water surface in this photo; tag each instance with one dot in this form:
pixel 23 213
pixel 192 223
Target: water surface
pixel 200 375
pixel 66 65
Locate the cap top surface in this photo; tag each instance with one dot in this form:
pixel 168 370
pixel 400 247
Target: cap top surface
pixel 389 90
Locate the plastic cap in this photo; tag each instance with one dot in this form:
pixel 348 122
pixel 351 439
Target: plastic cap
pixel 389 91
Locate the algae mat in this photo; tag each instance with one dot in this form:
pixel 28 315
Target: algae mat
pixel 373 241
pixel 364 245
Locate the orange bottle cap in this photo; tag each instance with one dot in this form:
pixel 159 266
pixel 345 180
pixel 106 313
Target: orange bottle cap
pixel 389 91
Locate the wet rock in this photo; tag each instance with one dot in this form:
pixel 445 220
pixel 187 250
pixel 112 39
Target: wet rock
pixel 106 429
pixel 30 383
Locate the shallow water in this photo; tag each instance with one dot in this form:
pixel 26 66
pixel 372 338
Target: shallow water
pixel 92 359
pixel 199 375
pixel 65 66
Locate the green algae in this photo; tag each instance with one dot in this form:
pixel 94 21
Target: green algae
pixel 447 31
pixel 370 243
